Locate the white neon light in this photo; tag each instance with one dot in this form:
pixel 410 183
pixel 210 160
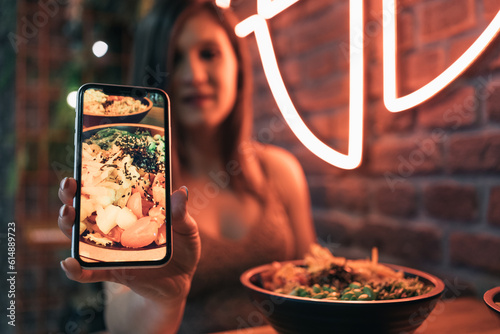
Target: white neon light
pixel 223 3
pixel 257 24
pixel 267 9
pixel 397 104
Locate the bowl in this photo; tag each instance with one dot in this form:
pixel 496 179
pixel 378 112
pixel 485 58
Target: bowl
pixel 96 119
pixel 492 300
pixel 154 130
pixel 291 314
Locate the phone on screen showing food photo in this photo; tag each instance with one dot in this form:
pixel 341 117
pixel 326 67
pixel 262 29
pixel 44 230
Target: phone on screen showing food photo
pixel 122 168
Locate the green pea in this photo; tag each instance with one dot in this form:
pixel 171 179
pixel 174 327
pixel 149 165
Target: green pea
pixel 369 291
pixel 355 285
pixel 319 296
pixel 302 292
pixel 364 296
pixel 357 292
pixel 316 288
pixel 328 288
pixel 348 296
pixel 334 294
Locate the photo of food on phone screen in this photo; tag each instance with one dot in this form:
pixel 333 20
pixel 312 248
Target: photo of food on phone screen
pixel 124 178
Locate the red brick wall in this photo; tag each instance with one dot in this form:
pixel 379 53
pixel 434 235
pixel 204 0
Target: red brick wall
pixel 427 193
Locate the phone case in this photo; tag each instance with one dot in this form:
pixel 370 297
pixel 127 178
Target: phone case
pixel 123 172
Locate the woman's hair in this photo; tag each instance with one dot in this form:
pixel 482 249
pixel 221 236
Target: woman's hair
pixel 153 61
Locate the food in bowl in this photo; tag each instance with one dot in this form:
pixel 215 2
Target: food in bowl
pixel 97 103
pixel 123 198
pixel 296 314
pixel 324 276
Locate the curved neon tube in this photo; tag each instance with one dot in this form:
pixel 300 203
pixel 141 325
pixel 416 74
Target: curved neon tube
pixel 397 104
pixel 267 9
pixel 257 24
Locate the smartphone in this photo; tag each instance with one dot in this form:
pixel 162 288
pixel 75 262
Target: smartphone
pixel 123 172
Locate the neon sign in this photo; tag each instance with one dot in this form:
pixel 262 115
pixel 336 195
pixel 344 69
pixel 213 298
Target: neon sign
pixel 267 9
pixel 397 104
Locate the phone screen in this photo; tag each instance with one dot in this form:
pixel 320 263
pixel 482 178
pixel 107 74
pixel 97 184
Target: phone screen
pixel 122 167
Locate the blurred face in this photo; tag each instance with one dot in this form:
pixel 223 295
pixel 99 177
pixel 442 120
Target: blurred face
pixel 204 81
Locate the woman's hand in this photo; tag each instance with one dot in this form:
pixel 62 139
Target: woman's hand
pixel 161 285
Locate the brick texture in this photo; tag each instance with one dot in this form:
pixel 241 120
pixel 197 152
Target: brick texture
pixel 330 125
pixel 457 110
pixel 324 95
pixel 493 102
pixel 406 31
pixel 405 157
pixel 374 80
pixel 349 194
pixel 459 45
pixel 491 7
pixel 420 67
pixel 303 11
pixel 475 153
pixel 413 243
pixel 305 35
pixel 399 200
pixel 476 250
pixel 443 18
pixel 494 206
pixel 337 228
pixel 383 121
pixel 451 201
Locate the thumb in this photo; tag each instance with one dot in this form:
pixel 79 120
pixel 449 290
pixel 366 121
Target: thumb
pixel 75 272
pixel 182 222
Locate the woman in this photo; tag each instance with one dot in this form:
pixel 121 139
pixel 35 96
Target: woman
pixel 250 201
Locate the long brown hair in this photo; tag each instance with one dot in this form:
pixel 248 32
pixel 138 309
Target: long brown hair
pixel 163 24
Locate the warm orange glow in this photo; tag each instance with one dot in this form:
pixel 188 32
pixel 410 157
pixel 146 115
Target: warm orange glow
pixel 267 9
pixel 258 25
pixel 396 104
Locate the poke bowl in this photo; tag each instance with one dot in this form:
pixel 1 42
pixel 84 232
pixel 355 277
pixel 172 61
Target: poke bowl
pixel 102 109
pixel 302 311
pixel 123 173
pixel 492 300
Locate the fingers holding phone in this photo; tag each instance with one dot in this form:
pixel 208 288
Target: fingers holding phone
pixel 184 226
pixel 66 219
pixel 67 190
pixel 148 282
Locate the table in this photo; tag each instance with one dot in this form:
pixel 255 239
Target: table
pixel 466 315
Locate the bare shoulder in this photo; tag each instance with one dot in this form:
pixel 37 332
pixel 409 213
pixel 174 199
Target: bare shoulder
pixel 278 160
pixel 283 168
